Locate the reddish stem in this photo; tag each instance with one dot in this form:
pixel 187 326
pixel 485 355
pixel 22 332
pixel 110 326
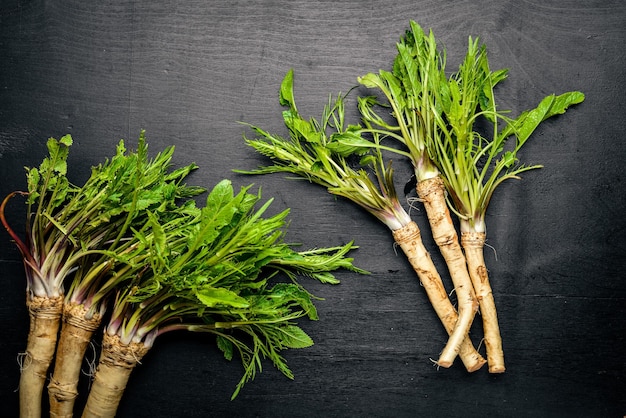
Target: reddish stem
pixel 20 244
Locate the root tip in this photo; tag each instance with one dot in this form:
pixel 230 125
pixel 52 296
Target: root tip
pixel 497 369
pixel 444 364
pixel 476 366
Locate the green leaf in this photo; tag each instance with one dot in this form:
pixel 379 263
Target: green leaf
pixel 212 297
pixel 325 277
pixel 509 159
pixel 304 129
pixel 565 100
pixel 159 241
pixel 58 155
pixel 221 206
pixel 550 106
pixel 349 143
pixel 394 87
pixel 286 91
pixel 283 294
pixel 370 80
pixel 220 196
pixel 226 347
pixel 294 337
pixel 368 160
pixel 66 140
pixel 33 183
pixel 49 180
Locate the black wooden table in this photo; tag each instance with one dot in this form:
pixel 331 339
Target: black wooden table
pixel 188 72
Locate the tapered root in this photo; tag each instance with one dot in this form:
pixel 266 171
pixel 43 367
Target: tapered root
pixel 76 333
pixel 473 243
pixel 45 316
pixel 432 193
pixel 409 239
pixel 117 361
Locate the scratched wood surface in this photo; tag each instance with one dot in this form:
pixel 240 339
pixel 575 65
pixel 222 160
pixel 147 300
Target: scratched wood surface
pixel 188 72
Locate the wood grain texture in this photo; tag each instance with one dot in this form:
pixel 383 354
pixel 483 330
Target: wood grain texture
pixel 188 72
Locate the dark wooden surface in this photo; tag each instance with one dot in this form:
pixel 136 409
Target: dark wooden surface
pixel 187 72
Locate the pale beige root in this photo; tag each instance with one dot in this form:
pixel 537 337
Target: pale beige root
pixel 114 368
pixel 473 243
pixel 45 316
pixel 409 239
pixel 76 333
pixel 432 194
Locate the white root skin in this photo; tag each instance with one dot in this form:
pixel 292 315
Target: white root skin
pixel 409 239
pixel 473 243
pixel 45 317
pixel 76 333
pixel 432 193
pixel 117 361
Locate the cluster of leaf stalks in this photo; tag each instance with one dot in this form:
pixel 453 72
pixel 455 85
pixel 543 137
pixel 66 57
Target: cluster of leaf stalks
pixel 132 252
pixel 438 122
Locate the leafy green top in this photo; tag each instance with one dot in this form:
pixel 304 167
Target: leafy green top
pixel 48 191
pixel 121 195
pixel 474 165
pixel 436 120
pixel 209 271
pixel 70 226
pixel 322 153
pixel 132 235
pixel 409 90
